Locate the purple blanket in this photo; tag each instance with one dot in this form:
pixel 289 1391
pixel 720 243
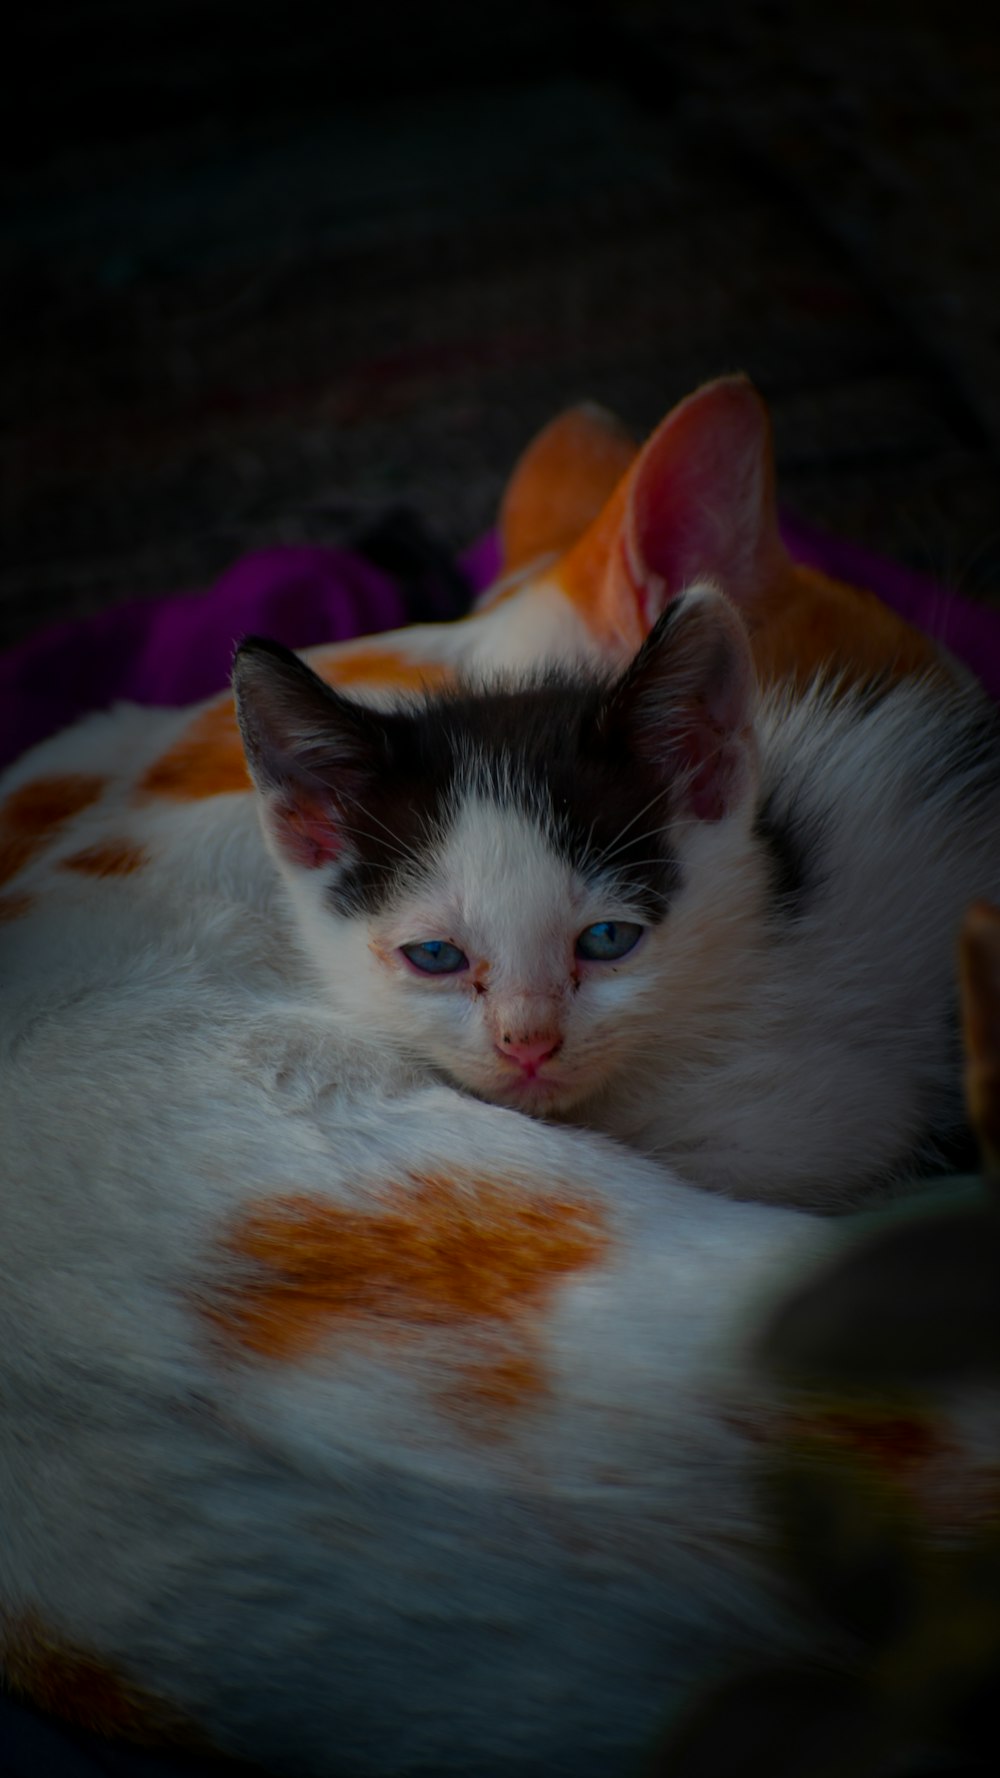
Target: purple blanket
pixel 178 649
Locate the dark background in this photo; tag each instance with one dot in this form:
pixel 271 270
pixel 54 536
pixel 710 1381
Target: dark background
pixel 267 272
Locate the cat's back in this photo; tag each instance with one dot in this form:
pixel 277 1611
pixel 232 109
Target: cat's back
pixel 103 879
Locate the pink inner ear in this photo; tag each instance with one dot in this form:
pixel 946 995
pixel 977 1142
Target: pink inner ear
pixel 306 832
pixel 717 763
pixel 697 704
pixel 701 504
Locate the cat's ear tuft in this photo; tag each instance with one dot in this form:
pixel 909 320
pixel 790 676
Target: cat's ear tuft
pixel 688 702
pixel 309 750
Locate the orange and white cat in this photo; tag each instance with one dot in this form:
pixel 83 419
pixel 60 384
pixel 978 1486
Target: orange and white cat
pixel 359 1417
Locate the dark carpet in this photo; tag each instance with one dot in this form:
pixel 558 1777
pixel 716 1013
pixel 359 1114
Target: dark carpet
pixel 267 273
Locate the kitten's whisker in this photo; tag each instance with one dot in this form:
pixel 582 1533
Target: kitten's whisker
pixel 609 866
pixel 649 833
pixel 371 817
pixel 650 837
pixel 367 833
pixel 370 833
pixel 618 842
pixel 637 863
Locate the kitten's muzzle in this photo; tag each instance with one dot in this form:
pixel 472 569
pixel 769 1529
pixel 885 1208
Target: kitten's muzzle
pixel 528 1053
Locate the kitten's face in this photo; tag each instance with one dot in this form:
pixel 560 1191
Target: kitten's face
pixel 522 975
pixel 486 878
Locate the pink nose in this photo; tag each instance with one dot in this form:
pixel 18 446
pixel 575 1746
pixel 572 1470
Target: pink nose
pixel 529 1052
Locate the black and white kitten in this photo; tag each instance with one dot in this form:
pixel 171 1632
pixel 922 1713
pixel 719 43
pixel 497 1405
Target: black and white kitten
pixel 718 925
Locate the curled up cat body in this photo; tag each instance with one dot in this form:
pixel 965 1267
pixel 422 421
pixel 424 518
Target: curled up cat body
pixel 360 1415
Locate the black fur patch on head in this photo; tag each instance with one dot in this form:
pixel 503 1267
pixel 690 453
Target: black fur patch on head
pixel 545 749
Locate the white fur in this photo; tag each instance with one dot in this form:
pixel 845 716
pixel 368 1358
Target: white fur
pixel 536 621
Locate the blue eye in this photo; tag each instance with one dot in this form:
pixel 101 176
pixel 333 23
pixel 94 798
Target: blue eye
pixel 608 940
pixel 436 957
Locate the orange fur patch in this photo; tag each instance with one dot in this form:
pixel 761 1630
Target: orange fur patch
pixel 383 667
pixel 561 482
pixel 592 575
pixel 206 760
pixel 81 1689
pixel 457 1252
pixel 14 907
pixel 110 858
pixel 496 1389
pixel 979 958
pixel 808 624
pixel 31 816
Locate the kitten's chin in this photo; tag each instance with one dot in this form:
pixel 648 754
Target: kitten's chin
pixel 539 1097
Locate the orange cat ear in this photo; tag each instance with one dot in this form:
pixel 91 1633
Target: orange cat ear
pixel 701 499
pixel 698 503
pixel 560 483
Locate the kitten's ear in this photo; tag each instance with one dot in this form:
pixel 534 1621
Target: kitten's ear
pixel 687 705
pixel 310 751
pixel 698 504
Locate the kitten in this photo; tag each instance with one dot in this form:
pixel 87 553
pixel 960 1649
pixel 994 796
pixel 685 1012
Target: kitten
pixel 717 926
pixel 351 1422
